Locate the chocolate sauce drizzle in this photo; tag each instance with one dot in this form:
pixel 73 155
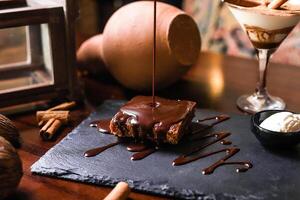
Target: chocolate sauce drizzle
pixel 225 142
pixel 217 120
pixel 245 165
pixel 98 150
pixel 143 154
pixel 143 150
pixel 187 157
pixel 136 147
pixel 218 137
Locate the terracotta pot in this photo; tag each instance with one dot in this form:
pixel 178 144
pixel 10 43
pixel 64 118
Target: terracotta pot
pixel 89 55
pixel 128 41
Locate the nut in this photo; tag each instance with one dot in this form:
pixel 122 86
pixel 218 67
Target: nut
pixel 10 168
pixel 9 131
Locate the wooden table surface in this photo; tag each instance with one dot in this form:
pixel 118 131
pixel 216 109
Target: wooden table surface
pixel 214 82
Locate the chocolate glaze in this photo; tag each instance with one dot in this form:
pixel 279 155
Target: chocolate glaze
pixel 139 111
pixel 143 154
pixel 102 125
pixel 98 150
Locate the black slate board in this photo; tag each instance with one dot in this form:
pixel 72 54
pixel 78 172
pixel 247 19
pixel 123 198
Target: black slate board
pixel 275 174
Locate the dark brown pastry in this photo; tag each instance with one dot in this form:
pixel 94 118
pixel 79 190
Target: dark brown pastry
pixel 166 122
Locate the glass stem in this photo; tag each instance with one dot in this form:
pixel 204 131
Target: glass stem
pixel 263 59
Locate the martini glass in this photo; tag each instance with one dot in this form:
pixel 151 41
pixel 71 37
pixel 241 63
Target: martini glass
pixel 266 30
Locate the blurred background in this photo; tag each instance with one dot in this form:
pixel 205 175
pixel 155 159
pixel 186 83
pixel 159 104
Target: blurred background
pixel 219 30
pixel 95 13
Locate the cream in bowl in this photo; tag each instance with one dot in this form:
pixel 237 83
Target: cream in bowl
pixel 276 128
pixel 284 122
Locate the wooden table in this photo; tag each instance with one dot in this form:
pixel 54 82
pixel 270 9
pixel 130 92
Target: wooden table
pixel 214 82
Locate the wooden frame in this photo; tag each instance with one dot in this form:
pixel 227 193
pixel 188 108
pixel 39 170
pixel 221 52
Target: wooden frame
pixel 5 4
pixel 34 49
pixel 59 15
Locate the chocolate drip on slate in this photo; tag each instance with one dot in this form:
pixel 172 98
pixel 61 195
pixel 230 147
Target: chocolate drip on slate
pixel 136 147
pixel 218 137
pixel 143 154
pixel 102 125
pixel 144 150
pixel 218 119
pixel 187 158
pixel 183 158
pixel 225 142
pixel 229 153
pixel 98 150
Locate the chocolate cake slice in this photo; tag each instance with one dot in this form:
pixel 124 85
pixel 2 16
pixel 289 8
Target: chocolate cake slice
pixel 165 122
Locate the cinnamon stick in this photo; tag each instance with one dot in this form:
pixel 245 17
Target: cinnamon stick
pixel 47 125
pixel 44 116
pixel 41 123
pixel 63 106
pixel 120 192
pixel 50 132
pixel 276 4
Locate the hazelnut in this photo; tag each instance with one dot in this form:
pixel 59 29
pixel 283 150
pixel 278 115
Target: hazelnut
pixel 10 168
pixel 9 131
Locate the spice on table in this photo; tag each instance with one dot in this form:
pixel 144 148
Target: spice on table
pixel 63 116
pixel 53 118
pixel 62 106
pixel 47 125
pixel 49 133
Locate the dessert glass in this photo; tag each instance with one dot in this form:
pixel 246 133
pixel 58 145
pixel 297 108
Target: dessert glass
pixel 266 29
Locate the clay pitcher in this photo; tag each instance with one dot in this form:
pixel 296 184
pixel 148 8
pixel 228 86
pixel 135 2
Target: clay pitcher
pixel 127 43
